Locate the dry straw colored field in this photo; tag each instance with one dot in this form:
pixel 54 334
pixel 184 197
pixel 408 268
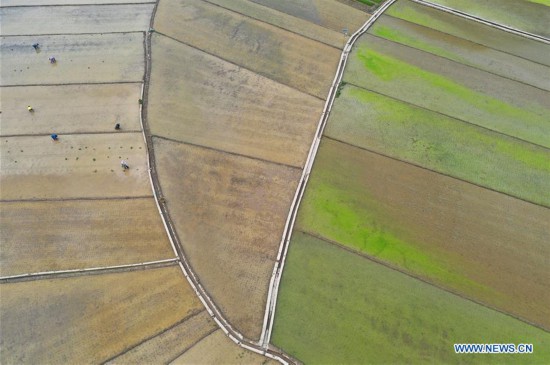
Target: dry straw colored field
pixel 224 106
pixel 170 344
pixel 229 212
pixel 61 235
pixel 218 349
pixel 98 108
pixel 286 57
pixel 89 319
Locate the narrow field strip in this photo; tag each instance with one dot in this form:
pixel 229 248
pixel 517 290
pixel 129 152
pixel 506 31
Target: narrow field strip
pixel 80 272
pixel 126 355
pixel 190 346
pixel 62 133
pixel 77 199
pixel 481 20
pixel 463 51
pixel 235 64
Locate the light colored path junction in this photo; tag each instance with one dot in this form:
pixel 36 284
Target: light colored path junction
pixel 87 270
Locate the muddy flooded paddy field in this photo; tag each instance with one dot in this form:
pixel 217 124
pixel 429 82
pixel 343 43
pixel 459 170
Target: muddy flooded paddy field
pixel 90 318
pixel 66 109
pixel 75 166
pixel 219 105
pixel 229 212
pixel 27 20
pixel 84 58
pixel 62 235
pixel 285 57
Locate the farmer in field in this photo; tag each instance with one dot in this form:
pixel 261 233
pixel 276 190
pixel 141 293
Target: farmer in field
pixel 117 126
pixel 35 46
pixel 30 109
pixel 52 59
pixel 124 165
pixel 54 137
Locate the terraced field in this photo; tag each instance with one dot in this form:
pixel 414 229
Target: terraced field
pixel 426 218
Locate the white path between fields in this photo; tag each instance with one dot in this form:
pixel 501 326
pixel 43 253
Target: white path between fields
pixel 267 327
pixel 287 233
pixel 87 270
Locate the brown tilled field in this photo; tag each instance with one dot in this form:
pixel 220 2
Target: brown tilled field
pixel 89 319
pixel 490 246
pixel 169 345
pixel 223 106
pixel 286 57
pixel 98 108
pixel 83 58
pixel 229 212
pixel 61 235
pixel 75 166
pixel 218 349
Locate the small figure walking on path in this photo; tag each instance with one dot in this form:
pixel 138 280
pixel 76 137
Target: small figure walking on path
pixel 117 126
pixel 30 109
pixel 54 137
pixel 124 165
pixel 35 46
pixel 52 59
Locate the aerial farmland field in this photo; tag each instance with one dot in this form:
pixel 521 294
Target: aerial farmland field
pixel 338 307
pixel 90 318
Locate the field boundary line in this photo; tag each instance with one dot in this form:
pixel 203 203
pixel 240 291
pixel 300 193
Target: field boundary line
pixel 390 266
pixel 437 172
pixel 48 274
pixel 472 124
pixel 271 304
pixel 33 200
pixel 228 152
pixel 60 34
pixel 161 332
pixel 75 84
pixel 481 20
pixel 185 266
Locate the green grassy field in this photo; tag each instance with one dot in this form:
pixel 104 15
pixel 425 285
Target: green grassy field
pixel 520 115
pixel 444 144
pixel 336 307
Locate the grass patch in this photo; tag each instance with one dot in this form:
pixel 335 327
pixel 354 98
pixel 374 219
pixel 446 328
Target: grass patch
pixel 336 307
pixel 444 144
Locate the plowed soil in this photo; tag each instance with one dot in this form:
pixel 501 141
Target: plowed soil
pixel 229 212
pixel 60 235
pixel 285 57
pixel 223 106
pixel 91 318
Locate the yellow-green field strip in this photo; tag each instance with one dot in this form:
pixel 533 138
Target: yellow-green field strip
pixel 484 21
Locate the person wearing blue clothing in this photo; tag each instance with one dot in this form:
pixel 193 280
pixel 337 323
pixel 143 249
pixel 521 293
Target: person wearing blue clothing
pixel 54 137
